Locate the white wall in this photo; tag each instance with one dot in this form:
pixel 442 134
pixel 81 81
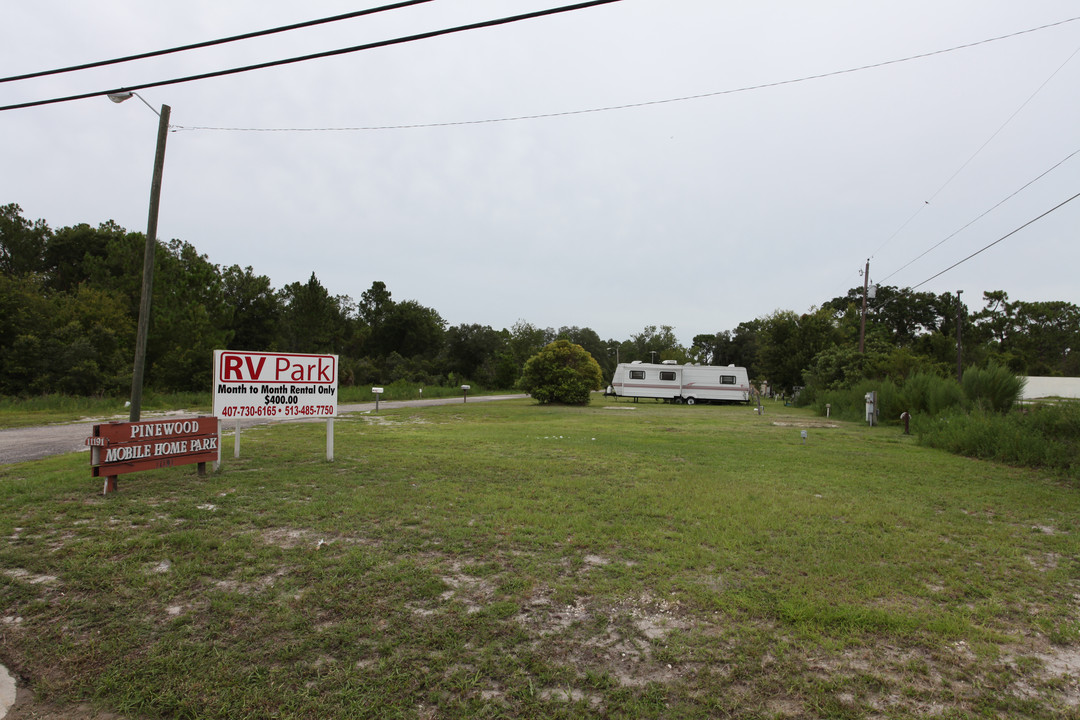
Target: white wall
pixel 1041 387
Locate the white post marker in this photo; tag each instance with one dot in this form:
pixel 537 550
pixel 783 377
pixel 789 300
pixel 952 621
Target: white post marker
pixel 330 440
pixel 217 463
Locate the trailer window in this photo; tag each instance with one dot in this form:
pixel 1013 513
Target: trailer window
pixel 637 374
pixel 727 379
pixel 667 375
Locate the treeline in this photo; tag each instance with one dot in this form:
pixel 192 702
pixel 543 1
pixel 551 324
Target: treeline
pixel 905 332
pixel 69 305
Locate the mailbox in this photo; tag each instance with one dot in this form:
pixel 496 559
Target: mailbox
pixel 465 393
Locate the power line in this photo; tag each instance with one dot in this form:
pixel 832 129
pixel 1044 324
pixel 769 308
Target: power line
pixel 975 154
pixel 1029 222
pixel 908 290
pixel 317 56
pixel 646 103
pixel 211 43
pixel 1016 192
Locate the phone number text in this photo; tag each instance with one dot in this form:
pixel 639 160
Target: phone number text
pixel 243 411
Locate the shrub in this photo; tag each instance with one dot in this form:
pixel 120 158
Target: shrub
pixel 993 388
pixel 930 394
pixel 561 373
pixel 1045 436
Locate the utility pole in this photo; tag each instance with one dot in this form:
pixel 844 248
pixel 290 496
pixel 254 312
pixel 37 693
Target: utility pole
pixel 959 340
pixel 148 267
pixel 862 323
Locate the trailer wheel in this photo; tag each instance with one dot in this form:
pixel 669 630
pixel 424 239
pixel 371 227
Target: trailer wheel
pixel 678 400
pixel 690 401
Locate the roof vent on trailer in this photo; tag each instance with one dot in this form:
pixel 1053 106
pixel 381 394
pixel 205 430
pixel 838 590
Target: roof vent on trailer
pixel 669 362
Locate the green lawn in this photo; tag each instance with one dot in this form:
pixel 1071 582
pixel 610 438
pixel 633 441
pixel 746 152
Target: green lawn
pixel 505 560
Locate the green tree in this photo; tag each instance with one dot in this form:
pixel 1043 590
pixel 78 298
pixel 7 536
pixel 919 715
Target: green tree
pixel 657 343
pixel 75 343
pixel 901 315
pixel 312 320
pixel 375 304
pixel 789 342
pixel 715 349
pixel 189 319
pixel 842 366
pixel 473 351
pixel 590 340
pixel 562 372
pixel 410 329
pixel 254 307
pixel 22 243
pixel 525 341
pixel 1031 338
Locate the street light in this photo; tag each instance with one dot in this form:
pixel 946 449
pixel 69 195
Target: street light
pixel 148 254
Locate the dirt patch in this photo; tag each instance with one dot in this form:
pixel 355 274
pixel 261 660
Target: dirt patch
pixel 27 707
pixel 382 420
pixel 473 592
pixel 29 577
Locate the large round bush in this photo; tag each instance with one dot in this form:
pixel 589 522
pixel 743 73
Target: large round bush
pixel 561 373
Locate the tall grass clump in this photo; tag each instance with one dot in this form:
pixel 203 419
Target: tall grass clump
pixel 850 403
pixel 994 388
pixel 930 394
pixel 1045 436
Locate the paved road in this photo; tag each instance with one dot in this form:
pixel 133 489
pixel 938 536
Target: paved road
pixel 33 443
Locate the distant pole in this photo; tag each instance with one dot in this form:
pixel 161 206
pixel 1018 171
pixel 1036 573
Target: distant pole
pixel 862 323
pixel 148 268
pixel 959 340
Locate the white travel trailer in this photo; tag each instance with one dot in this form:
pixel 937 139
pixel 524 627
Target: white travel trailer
pixel 681 383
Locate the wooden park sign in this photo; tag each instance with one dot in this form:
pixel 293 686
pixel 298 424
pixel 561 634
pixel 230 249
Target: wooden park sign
pixel 119 447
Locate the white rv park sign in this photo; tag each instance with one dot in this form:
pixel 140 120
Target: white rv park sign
pixel 274 385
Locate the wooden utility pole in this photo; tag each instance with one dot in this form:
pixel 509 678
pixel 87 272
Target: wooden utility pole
pixel 862 323
pixel 959 340
pixel 148 267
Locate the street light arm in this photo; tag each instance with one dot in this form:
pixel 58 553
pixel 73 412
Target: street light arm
pixel 119 97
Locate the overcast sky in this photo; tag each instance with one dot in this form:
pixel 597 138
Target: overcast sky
pixel 696 213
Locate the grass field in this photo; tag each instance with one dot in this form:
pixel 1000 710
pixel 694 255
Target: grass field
pixel 506 560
